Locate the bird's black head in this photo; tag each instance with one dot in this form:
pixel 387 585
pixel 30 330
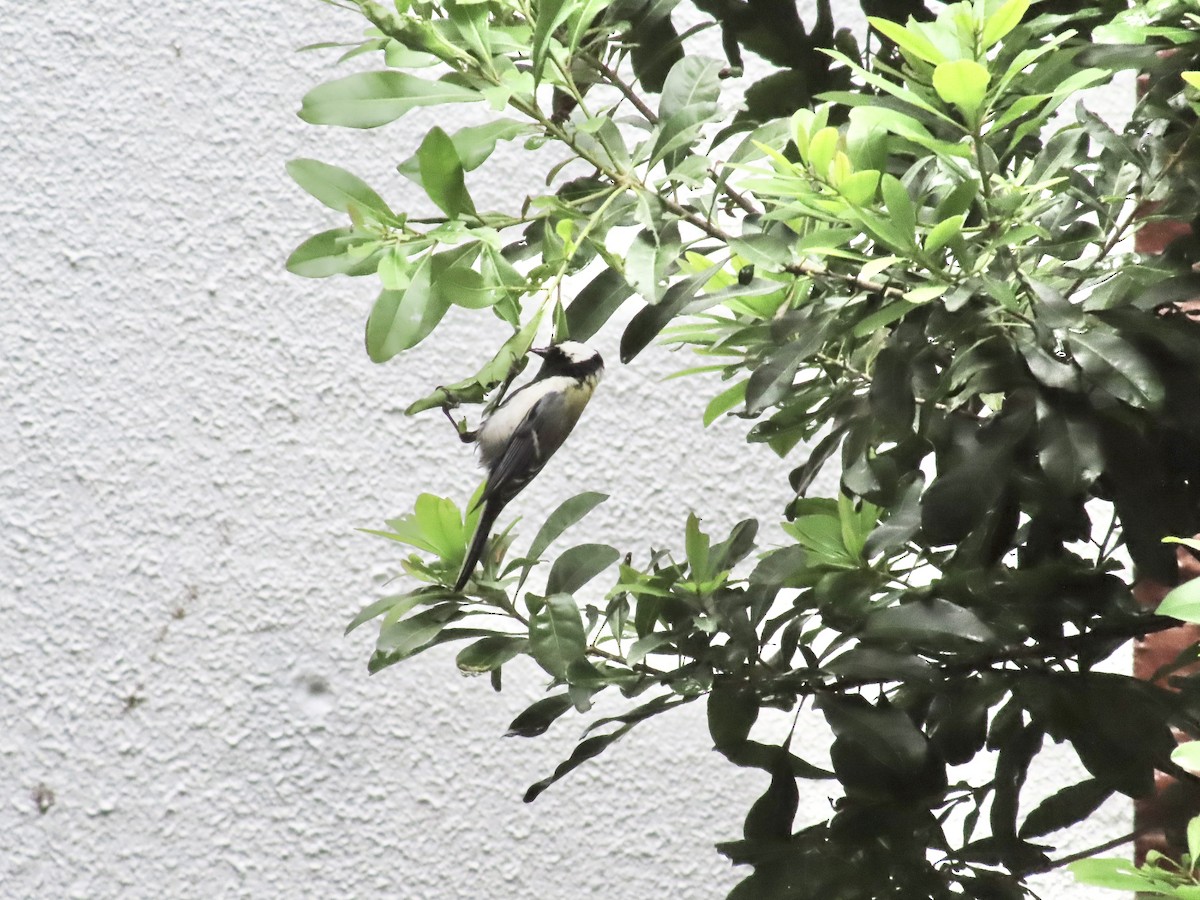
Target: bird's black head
pixel 570 358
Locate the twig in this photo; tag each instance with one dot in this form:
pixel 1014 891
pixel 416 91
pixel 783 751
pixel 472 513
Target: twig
pixel 1084 854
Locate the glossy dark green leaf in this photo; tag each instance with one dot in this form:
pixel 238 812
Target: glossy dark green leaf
pixel 567 514
pixel 490 653
pixel 577 566
pixel 647 323
pixel 879 754
pixel 779 567
pixel 957 720
pixel 933 623
pixel 757 755
pixel 539 716
pixel 802 477
pixel 957 501
pixel 771 816
pixel 891 393
pixel 1116 366
pixel 1118 725
pixel 370 99
pixel 1064 808
pixel 732 711
pixel 729 552
pixel 584 750
pixel 879 662
pixel 595 304
pixel 902 523
pixel 659 704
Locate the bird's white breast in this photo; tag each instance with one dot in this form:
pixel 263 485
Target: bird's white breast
pixel 495 433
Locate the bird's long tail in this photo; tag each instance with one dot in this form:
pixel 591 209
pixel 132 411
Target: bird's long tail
pixel 483 531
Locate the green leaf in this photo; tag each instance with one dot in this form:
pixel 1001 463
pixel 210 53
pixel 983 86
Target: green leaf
pixel 596 303
pixel 404 636
pixel 556 635
pixel 585 750
pixel 689 100
pixel 878 662
pixel 964 83
pixel 567 514
pixel 899 205
pixel 508 361
pixel 473 145
pixel 335 187
pixel 405 602
pixel 1183 602
pixel 1114 365
pixel 539 716
pixel 909 40
pixel 649 321
pixel 1117 874
pixel 696 545
pixel 1064 808
pixel 1002 21
pixel 732 712
pixel 442 174
pixel 772 815
pixel 1118 725
pixel 928 623
pixel 650 258
pixel 577 566
pixel 490 653
pixel 724 401
pixel 328 254
pixel 878 754
pixel 650 708
pixel 731 551
pixel 370 99
pixel 944 232
pixel 550 14
pixel 402 319
pixel 1187 755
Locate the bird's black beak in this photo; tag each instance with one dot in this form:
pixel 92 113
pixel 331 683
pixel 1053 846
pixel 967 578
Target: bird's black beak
pixel 540 351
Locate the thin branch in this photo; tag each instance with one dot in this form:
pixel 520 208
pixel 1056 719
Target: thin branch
pixel 1085 854
pixel 624 87
pixel 809 270
pixel 1065 646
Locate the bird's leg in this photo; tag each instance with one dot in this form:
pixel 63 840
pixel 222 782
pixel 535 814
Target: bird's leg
pixel 460 428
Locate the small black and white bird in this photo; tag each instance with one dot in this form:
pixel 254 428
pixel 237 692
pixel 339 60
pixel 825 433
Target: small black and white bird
pixel 517 439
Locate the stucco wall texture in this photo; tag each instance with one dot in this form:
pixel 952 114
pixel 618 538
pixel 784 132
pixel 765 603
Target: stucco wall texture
pixel 189 438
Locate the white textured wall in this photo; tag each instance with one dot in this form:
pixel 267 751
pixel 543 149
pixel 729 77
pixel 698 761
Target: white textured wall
pixel 189 437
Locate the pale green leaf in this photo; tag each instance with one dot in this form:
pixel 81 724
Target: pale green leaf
pixel 963 83
pixel 335 187
pixel 1183 602
pixel 370 99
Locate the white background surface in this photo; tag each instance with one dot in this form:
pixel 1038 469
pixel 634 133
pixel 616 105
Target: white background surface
pixel 189 437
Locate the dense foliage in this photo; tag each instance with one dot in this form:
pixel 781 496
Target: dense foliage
pixel 905 252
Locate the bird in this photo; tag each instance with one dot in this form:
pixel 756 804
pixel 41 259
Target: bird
pixel 521 434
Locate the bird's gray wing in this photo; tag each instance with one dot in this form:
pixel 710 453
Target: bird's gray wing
pixel 534 441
